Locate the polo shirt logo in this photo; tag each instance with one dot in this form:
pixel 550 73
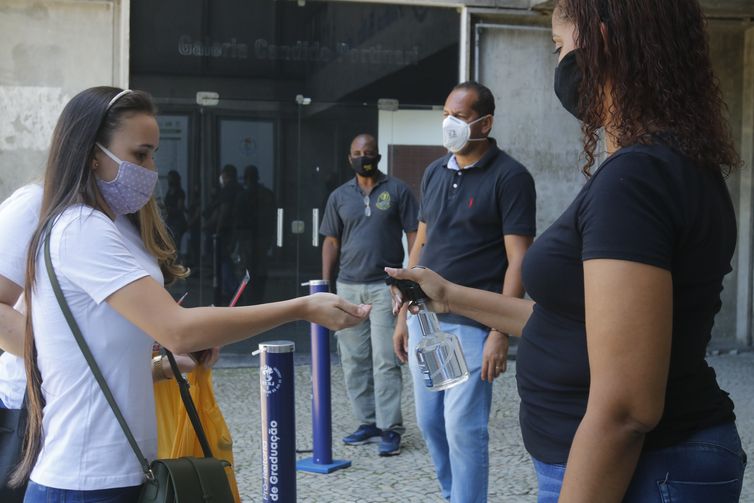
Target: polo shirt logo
pixel 471 201
pixel 383 201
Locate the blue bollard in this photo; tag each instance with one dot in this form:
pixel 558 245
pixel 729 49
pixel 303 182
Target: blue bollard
pixel 321 460
pixel 276 383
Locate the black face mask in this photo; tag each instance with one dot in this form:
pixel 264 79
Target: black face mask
pixel 567 81
pixel 366 165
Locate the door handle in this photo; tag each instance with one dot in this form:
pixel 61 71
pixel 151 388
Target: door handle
pixel 315 227
pixel 280 227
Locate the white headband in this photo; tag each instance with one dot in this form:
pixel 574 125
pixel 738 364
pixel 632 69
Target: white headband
pixel 116 97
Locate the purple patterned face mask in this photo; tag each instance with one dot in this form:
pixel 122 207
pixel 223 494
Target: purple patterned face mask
pixel 131 188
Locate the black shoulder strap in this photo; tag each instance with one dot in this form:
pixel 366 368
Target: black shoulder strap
pixel 185 394
pixel 90 358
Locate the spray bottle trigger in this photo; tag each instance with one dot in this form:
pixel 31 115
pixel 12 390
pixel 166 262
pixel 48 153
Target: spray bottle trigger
pixel 410 289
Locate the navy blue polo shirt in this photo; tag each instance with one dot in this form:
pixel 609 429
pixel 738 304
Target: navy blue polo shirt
pixel 646 204
pixel 467 213
pixel 370 234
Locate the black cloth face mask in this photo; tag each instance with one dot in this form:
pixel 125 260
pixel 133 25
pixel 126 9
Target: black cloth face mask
pixel 366 165
pixel 568 76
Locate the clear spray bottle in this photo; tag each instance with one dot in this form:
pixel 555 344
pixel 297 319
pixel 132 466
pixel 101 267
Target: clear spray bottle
pixel 439 354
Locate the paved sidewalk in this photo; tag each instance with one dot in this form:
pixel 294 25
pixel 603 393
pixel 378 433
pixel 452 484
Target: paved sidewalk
pixel 409 477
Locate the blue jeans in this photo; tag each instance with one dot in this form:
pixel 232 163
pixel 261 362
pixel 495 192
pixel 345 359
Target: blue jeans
pixel 36 493
pixel 454 422
pixel 707 467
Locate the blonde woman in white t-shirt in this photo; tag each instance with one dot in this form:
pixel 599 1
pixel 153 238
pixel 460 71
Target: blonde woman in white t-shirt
pixel 100 166
pixel 19 217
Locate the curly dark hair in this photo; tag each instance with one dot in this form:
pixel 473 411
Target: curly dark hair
pixel 654 61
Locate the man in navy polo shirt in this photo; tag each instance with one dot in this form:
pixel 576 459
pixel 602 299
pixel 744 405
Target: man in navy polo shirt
pixel 476 221
pixel 363 225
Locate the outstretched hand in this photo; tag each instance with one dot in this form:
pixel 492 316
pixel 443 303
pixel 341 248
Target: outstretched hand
pixel 434 285
pixel 333 312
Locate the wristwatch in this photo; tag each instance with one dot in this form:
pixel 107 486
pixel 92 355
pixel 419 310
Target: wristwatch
pixel 157 368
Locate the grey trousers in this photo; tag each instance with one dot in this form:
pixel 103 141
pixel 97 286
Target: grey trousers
pixel 372 371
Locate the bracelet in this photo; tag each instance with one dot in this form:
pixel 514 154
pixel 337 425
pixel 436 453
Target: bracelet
pixel 158 369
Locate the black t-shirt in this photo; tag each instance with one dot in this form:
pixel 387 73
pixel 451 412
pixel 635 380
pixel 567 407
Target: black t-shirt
pixel 468 212
pixel 647 204
pixel 370 237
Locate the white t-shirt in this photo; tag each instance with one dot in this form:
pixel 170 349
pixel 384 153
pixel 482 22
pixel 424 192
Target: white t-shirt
pixel 84 447
pixel 19 215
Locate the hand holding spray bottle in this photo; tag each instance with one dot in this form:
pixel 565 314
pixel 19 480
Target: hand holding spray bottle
pixel 439 354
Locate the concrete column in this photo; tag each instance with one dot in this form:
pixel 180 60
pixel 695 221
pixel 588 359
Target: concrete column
pixel 745 269
pixel 121 42
pixel 464 46
pixel 51 50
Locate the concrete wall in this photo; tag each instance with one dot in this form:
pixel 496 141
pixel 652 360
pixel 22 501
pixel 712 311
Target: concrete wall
pixel 49 51
pixel 515 61
pixel 745 266
pixel 517 65
pixel 727 53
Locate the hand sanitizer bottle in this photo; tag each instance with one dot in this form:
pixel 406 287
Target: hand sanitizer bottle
pixel 438 354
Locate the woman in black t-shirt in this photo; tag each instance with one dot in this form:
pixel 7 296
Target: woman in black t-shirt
pixel 617 400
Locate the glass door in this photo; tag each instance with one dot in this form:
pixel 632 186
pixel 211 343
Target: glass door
pixel 243 188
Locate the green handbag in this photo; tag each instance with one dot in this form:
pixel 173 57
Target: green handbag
pixel 181 480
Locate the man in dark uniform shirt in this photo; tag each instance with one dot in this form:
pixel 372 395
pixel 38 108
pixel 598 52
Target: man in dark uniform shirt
pixel 364 222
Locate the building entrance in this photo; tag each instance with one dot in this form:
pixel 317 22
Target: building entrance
pixel 258 103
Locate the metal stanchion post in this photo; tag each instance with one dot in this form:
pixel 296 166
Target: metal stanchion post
pixel 321 460
pixel 276 382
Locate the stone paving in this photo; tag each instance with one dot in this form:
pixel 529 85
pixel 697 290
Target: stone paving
pixel 409 477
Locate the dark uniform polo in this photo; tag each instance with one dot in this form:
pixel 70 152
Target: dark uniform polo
pixel 467 213
pixel 370 228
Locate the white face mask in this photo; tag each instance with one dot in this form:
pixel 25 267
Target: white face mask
pixel 455 133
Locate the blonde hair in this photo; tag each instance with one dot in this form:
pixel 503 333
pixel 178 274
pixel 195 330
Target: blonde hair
pixel 158 241
pixel 91 116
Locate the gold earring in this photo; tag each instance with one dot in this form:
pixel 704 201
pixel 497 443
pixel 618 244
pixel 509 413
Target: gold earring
pixel 96 165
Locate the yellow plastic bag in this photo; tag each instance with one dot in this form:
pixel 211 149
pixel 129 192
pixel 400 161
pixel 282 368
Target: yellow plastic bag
pixel 175 434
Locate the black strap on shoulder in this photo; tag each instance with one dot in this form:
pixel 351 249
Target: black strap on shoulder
pixel 90 358
pixel 182 384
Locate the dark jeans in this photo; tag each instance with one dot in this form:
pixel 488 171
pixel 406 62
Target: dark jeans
pixel 36 493
pixel 707 467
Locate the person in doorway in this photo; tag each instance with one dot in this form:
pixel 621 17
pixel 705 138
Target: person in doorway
pixel 101 166
pixel 617 401
pixel 194 228
pixel 255 230
pixel 175 208
pixel 363 225
pixel 225 232
pixel 476 221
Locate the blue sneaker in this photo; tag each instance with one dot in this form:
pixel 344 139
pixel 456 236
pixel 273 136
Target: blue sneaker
pixel 390 445
pixel 367 433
